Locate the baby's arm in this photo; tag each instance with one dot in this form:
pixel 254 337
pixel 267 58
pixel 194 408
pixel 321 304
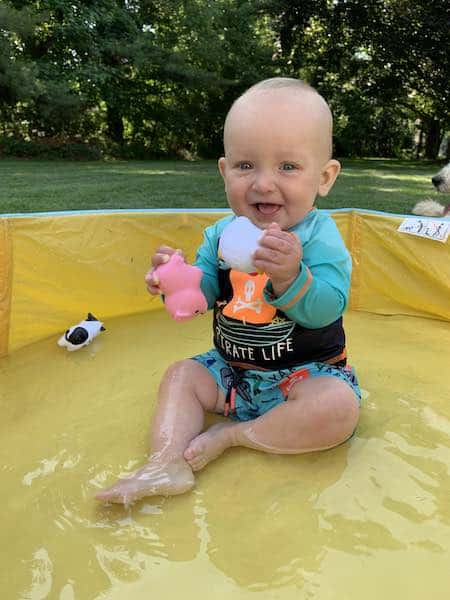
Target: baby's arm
pixel 279 255
pixel 206 260
pixel 318 294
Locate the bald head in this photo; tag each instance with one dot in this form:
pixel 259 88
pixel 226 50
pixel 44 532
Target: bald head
pixel 285 94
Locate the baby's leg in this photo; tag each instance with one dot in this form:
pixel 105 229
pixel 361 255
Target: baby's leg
pixel 319 413
pixel 186 391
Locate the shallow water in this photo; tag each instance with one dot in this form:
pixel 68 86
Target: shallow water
pixel 369 519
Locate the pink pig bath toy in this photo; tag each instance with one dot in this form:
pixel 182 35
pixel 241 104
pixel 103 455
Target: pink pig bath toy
pixel 180 284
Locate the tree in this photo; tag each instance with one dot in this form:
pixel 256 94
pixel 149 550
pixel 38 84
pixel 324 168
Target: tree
pixel 157 76
pixel 383 64
pixel 152 73
pixel 18 73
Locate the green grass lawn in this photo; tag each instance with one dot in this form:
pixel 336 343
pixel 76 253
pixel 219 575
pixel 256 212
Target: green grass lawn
pixel 32 185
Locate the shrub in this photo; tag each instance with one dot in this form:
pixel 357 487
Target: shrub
pixel 49 149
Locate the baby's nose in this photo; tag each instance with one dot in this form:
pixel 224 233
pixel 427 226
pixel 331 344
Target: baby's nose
pixel 263 182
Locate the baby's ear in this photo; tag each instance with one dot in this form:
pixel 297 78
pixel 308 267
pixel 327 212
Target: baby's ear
pixel 221 163
pixel 328 176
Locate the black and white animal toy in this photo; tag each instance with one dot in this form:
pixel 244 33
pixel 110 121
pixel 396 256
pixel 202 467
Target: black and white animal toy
pixel 82 334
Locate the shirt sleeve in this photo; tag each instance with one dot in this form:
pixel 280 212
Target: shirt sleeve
pixel 206 260
pixel 319 294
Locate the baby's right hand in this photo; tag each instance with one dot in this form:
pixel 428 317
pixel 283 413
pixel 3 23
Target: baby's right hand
pixel 161 256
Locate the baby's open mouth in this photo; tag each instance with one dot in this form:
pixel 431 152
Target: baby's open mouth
pixel 267 208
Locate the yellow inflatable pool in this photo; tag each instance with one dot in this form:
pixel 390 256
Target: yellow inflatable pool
pixel 370 519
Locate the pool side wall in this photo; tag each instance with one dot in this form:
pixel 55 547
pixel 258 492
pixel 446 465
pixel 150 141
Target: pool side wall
pixel 57 267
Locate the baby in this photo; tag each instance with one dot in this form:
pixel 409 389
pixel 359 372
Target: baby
pixel 278 368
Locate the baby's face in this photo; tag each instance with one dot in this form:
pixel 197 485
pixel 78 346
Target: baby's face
pixel 277 156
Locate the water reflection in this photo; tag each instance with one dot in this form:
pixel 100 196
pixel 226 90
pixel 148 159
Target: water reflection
pixel 282 526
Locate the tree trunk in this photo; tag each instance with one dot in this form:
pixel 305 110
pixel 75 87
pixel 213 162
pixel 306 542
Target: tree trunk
pixel 433 139
pixel 419 143
pixel 115 124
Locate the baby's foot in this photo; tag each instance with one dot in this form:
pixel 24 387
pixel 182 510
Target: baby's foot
pixel 209 445
pixel 154 479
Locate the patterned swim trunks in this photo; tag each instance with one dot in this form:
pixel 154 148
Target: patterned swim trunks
pixel 252 392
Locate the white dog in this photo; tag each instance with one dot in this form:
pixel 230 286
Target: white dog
pixel 430 208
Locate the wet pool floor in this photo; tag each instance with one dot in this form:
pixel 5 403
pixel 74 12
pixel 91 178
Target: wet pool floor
pixel 370 519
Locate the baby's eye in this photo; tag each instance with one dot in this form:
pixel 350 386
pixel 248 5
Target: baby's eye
pixel 288 167
pixel 244 166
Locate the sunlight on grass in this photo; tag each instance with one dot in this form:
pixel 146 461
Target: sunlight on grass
pixel 148 173
pixel 36 186
pixel 401 177
pixel 380 175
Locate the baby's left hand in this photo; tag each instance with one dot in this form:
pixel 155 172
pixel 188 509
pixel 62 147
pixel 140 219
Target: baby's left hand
pixel 279 255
